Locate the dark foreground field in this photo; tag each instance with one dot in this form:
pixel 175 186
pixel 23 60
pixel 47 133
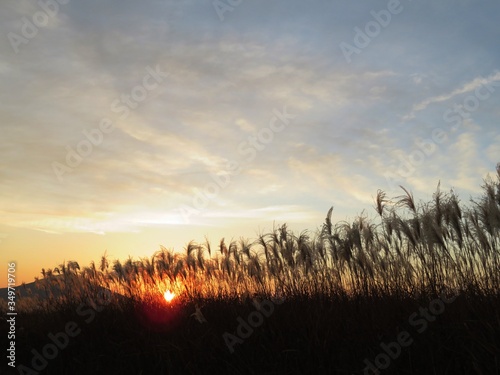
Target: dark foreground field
pixel 444 334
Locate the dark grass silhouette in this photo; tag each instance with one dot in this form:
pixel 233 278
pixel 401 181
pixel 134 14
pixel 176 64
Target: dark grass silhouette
pixel 345 291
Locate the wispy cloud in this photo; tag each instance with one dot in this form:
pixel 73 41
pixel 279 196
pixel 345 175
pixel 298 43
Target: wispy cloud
pixel 468 87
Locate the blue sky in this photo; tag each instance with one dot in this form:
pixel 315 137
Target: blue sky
pixel 183 91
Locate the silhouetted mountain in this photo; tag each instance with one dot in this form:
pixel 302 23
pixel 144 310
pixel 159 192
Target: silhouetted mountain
pixel 33 289
pixel 38 289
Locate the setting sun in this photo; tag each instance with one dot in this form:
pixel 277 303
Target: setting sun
pixel 169 296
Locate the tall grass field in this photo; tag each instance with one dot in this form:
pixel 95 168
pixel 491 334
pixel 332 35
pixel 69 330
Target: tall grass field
pixel 413 290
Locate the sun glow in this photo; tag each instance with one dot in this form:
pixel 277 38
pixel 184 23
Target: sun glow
pixel 169 296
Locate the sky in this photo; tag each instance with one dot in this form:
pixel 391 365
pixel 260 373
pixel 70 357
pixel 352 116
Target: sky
pixel 126 125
